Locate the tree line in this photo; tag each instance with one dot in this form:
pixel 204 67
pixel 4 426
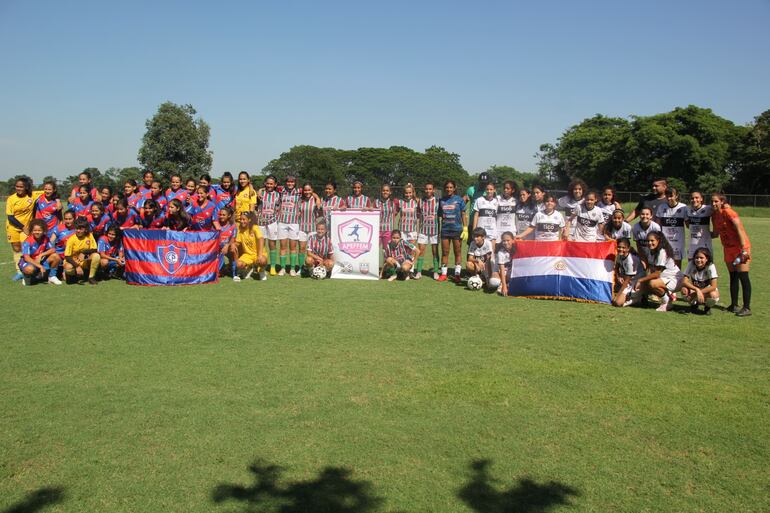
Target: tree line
pixel 691 146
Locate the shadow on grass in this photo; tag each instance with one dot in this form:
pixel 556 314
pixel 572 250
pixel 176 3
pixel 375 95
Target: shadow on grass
pixel 482 495
pixel 332 491
pixel 37 500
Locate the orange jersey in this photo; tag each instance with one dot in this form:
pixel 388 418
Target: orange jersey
pixel 728 232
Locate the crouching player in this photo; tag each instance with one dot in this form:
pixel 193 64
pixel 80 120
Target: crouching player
pixel 503 263
pixel 38 255
pixel 399 257
pixel 628 269
pixel 111 259
pixel 81 253
pixel 700 281
pixel 251 248
pixel 480 258
pixel 319 249
pixel 227 246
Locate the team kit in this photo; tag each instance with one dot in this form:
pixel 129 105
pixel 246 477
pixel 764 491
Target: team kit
pixel 284 230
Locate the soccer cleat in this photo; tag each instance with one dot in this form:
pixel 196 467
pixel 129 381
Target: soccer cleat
pixel 456 278
pixel 435 276
pixel 262 275
pixel 407 277
pixel 17 277
pixel 282 272
pixel 441 277
pixel 706 310
pixel 743 312
pixel 393 277
pixel 292 273
pixel 26 281
pixel 663 307
pixel 54 280
pixel 92 281
pixel 272 271
pixel 417 276
pixel 732 308
pixel 237 279
pixel 248 274
pixel 628 302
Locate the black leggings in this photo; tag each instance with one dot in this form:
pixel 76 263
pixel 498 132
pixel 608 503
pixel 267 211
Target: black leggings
pixel 740 278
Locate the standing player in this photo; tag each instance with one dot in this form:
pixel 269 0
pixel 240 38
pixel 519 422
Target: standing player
pixel 331 202
pixel 151 218
pixel 737 250
pixel 84 180
pixel 146 185
pixel 131 193
pixel 155 194
pixel 671 217
pixel 652 201
pixel 428 214
pixel 177 218
pixel 38 255
pixel 698 220
pixel 288 225
pixel 409 209
pixel 176 191
pixel 454 229
pixel 548 225
pixel 224 192
pixel 309 207
pixel 319 249
pixel 538 197
pixel 485 214
pixel 124 216
pixel 644 227
pixel 203 211
pixel 569 202
pixel 525 211
pixel 588 220
pixel 48 207
pixel 82 202
pixel 18 211
pixel 506 208
pixel 358 199
pixel 474 192
pixel 617 228
pixel 388 208
pixel 608 205
pixel 268 207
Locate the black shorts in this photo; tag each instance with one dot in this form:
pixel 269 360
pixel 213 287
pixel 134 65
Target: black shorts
pixel 451 235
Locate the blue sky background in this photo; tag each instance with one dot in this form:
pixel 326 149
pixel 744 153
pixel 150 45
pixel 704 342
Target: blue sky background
pixel 488 80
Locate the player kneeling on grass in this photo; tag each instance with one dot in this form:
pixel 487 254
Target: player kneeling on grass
pixel 503 263
pixel 480 258
pixel 663 278
pixel 228 249
pixel 700 281
pixel 628 268
pixel 399 257
pixel 251 248
pixel 111 259
pixel 319 249
pixel 81 253
pixel 38 255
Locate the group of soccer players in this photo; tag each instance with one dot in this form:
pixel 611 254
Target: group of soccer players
pixel 281 229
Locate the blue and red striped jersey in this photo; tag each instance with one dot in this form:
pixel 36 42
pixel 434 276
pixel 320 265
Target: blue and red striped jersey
pixel 79 207
pixel 33 248
pixel 61 233
pixel 202 216
pixel 111 249
pixel 128 220
pixel 227 234
pixel 98 225
pixel 151 223
pixel 48 211
pixel 181 194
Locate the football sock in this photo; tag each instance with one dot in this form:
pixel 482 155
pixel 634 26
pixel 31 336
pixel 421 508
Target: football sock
pixel 273 257
pixel 16 259
pixel 94 265
pixel 302 258
pixel 458 270
pixel 293 258
pixel 52 272
pixel 419 264
pixel 734 283
pixel 283 261
pixel 234 267
pixel 435 264
pixel 443 270
pixel 746 286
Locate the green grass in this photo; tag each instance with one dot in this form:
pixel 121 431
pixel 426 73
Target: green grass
pixel 349 396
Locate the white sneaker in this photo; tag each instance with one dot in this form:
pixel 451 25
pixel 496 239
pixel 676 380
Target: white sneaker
pixel 54 280
pixel 282 272
pixel 237 279
pixel 417 276
pixel 393 277
pixel 248 274
pixel 262 275
pixel 435 276
pixel 292 273
pixel 408 277
pixel 664 304
pixel 26 281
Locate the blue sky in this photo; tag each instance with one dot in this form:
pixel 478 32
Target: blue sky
pixel 488 80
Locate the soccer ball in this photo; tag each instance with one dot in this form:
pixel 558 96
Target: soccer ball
pixel 319 272
pixel 475 283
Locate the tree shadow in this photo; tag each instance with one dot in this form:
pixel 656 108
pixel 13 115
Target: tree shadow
pixel 482 495
pixel 332 491
pixel 37 500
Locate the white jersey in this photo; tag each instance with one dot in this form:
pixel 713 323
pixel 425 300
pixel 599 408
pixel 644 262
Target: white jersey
pixel 701 278
pixel 662 259
pixel 548 226
pixel 506 215
pixel 524 214
pixel 671 220
pixel 486 216
pixel 700 234
pixel 587 223
pixel 503 257
pixel 619 233
pixel 629 267
pixel 640 236
pixel 607 211
pixel 481 253
pixel 567 205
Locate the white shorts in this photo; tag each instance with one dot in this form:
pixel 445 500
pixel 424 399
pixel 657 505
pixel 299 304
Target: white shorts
pixel 427 239
pixel 673 283
pixel 288 231
pixel 270 232
pixel 678 247
pixel 302 236
pixel 410 236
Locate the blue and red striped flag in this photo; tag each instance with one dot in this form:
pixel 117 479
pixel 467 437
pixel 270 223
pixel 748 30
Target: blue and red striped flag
pixel 582 271
pixel 166 257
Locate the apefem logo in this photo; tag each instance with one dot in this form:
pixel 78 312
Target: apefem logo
pixel 355 237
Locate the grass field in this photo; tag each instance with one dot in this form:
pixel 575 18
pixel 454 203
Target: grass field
pixel 298 396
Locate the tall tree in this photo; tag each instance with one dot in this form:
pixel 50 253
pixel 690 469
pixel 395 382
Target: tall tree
pixel 753 174
pixel 176 142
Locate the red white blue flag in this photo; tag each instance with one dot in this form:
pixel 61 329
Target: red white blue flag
pixel 582 271
pixel 166 257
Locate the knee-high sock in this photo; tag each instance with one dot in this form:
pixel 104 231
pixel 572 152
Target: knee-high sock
pixel 94 258
pixel 293 259
pixel 283 261
pixel 273 257
pixel 436 264
pixel 302 258
pixel 16 260
pixel 420 261
pixel 734 282
pixel 746 286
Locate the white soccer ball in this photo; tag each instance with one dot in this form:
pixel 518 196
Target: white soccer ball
pixel 475 283
pixel 319 272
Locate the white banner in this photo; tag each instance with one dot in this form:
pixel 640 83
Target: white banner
pixel 356 243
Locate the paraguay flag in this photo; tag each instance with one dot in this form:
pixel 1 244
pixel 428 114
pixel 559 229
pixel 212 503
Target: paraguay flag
pixel 167 257
pixel 581 271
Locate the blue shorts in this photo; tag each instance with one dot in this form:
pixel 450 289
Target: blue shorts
pixel 451 235
pixel 44 262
